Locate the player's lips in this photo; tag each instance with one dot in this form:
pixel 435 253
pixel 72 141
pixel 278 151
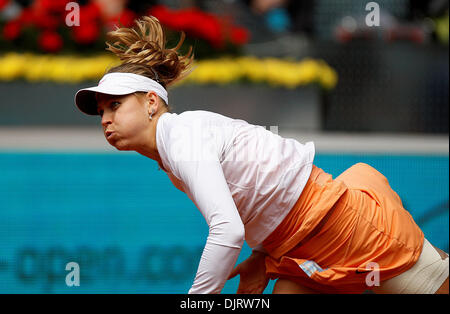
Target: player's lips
pixel 108 134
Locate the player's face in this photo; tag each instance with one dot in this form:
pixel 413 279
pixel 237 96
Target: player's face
pixel 124 120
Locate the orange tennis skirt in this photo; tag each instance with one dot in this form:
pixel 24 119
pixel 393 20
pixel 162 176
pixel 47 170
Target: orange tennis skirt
pixel 339 227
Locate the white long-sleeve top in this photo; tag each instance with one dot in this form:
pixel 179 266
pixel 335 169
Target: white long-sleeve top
pixel 243 178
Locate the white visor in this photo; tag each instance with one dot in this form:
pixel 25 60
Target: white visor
pixel 117 84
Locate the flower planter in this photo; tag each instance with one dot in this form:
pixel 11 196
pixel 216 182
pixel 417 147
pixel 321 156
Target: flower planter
pixel 51 104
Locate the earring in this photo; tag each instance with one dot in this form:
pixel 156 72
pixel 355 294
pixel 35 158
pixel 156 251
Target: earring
pixel 151 115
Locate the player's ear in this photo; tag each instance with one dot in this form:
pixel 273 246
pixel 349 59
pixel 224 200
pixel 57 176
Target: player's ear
pixel 152 96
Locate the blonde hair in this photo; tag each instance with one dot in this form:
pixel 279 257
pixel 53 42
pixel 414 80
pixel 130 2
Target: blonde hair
pixel 142 50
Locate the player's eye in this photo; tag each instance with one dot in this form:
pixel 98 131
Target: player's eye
pixel 113 105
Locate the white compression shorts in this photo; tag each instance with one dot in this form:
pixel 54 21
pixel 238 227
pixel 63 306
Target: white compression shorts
pixel 425 277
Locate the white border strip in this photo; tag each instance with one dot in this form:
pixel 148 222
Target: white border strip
pixel 54 139
pixel 90 139
pixel 375 143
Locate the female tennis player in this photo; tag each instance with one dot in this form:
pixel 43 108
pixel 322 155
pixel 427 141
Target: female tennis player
pixel 313 233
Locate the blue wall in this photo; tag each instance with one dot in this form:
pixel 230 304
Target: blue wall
pixel 131 231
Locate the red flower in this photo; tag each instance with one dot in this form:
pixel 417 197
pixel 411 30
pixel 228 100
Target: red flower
pixel 50 41
pixel 26 17
pixel 239 36
pixel 51 5
pixel 46 20
pixel 193 22
pixel 125 18
pixel 163 14
pixel 3 3
pixel 90 12
pixel 12 30
pixel 49 14
pixel 210 28
pixel 86 33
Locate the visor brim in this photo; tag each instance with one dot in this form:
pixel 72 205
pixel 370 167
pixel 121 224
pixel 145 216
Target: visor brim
pixel 87 103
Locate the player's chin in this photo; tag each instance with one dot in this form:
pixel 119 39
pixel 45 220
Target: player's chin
pixel 121 145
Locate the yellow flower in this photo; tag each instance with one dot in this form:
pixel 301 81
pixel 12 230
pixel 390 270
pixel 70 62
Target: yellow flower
pixel 73 69
pixel 11 66
pixel 329 78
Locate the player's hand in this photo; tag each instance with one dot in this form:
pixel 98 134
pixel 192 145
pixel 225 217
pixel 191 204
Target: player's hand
pixel 252 271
